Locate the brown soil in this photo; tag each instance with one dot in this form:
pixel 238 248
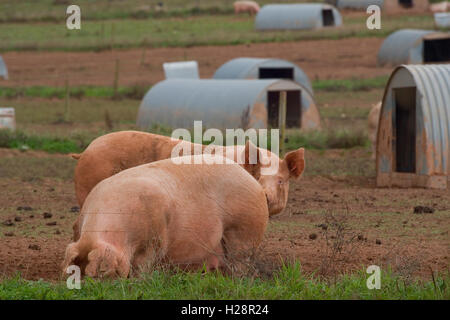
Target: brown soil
pixel 320 59
pixel 12 153
pixel 378 226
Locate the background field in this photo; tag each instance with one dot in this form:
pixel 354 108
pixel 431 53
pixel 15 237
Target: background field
pixel 336 223
pixel 183 32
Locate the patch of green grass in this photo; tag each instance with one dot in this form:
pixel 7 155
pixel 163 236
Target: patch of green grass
pixel 331 139
pixel 134 92
pixel 288 283
pixel 138 92
pixel 350 84
pixel 52 144
pixel 340 139
pixel 182 32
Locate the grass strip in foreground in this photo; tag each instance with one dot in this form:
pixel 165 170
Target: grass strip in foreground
pixel 287 283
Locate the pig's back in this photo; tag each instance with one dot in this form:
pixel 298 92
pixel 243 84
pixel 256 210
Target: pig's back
pixel 191 186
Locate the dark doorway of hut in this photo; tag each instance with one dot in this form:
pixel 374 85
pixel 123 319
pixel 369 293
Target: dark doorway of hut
pixel 436 50
pixel 405 129
pixel 327 17
pixel 293 108
pixel 276 73
pixel 406 3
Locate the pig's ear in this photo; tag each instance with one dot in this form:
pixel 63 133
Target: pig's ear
pixel 252 158
pixel 295 161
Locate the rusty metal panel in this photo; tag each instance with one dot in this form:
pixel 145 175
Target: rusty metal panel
pixel 432 83
pixel 294 16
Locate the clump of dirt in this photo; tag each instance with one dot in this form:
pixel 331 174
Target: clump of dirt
pixel 8 223
pixel 313 236
pixel 34 247
pixel 47 215
pixel 26 208
pixel 423 209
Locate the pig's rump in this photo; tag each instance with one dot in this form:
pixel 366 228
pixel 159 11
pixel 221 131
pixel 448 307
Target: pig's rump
pixel 180 214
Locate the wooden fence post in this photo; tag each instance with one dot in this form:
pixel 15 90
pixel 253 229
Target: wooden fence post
pixel 66 102
pixel 113 32
pixel 116 80
pixel 282 120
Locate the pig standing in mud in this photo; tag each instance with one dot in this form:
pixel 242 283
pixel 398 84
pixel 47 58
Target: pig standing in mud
pixel 246 6
pixel 188 215
pixel 114 152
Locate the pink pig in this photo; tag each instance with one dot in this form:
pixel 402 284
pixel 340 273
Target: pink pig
pixel 188 215
pixel 114 152
pixel 246 6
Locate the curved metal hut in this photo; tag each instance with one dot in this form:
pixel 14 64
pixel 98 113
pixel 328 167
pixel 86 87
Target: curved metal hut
pixel 413 139
pixel 297 16
pixel 260 68
pixel 227 104
pixel 410 46
pixel 385 5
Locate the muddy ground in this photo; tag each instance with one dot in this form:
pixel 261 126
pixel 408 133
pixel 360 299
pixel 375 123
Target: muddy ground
pixel 336 221
pixel 320 59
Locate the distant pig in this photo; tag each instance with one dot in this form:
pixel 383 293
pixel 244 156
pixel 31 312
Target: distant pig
pixel 250 7
pixel 114 152
pixel 443 6
pixel 187 215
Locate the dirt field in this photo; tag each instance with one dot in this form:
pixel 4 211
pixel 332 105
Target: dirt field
pixel 336 220
pixel 320 59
